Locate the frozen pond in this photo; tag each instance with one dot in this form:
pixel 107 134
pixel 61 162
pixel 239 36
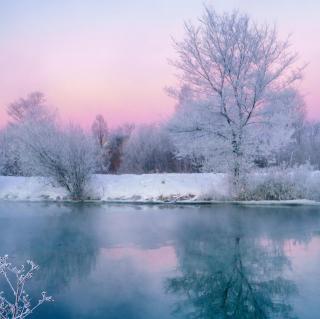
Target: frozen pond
pixel 157 262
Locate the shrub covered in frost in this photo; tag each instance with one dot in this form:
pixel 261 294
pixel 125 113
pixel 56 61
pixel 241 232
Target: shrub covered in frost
pixel 64 155
pixel 279 183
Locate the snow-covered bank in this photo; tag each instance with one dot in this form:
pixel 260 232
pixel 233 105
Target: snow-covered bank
pixel 150 188
pixel 30 189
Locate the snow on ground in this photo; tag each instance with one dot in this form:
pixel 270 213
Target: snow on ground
pixel 29 188
pixel 154 187
pixel 129 187
pixel 186 188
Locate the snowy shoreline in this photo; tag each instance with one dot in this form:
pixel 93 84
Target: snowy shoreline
pixel 179 189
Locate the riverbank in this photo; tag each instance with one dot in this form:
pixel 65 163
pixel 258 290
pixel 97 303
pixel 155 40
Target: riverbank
pixel 200 188
pixel 127 187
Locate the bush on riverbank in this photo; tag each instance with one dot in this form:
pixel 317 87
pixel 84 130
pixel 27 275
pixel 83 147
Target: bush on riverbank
pixel 280 183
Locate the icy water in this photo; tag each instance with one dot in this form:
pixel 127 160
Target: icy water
pixel 149 262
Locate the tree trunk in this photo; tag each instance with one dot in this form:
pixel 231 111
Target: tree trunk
pixel 237 178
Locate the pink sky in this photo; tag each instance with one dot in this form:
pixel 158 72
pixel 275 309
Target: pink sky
pixel 110 57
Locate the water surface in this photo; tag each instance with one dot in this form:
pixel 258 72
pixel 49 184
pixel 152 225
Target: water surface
pixel 156 262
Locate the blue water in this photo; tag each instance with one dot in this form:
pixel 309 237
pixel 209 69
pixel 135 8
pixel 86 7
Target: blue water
pixel 157 262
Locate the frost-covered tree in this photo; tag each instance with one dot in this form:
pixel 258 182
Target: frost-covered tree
pixel 3 148
pixel 305 147
pixel 18 305
pixel 149 149
pixel 33 107
pixel 241 79
pixel 100 130
pixel 100 135
pixel 10 164
pixel 33 110
pixel 197 130
pixel 66 155
pixel 40 146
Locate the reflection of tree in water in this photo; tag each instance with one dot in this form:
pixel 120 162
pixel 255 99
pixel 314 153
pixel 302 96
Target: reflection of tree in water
pixel 231 277
pixel 70 250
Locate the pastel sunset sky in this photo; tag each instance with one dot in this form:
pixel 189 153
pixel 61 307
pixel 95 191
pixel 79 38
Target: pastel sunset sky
pixel 110 56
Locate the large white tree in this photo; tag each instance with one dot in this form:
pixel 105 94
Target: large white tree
pixel 237 97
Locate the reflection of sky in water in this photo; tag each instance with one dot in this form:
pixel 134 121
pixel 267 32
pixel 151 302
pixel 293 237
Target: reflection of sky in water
pixel 151 260
pixel 141 262
pixel 305 261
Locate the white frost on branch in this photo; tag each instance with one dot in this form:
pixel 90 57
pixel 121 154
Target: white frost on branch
pixel 18 306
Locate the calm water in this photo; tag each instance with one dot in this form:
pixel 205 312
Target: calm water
pixel 125 262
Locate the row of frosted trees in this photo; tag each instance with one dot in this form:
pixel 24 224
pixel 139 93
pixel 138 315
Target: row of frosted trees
pixel 127 149
pixel 34 143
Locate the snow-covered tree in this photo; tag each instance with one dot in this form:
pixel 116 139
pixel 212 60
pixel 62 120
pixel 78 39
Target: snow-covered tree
pixel 100 130
pixel 3 148
pixel 100 136
pixel 305 147
pixel 149 149
pixel 32 110
pixel 197 129
pixel 64 155
pixel 18 305
pixel 10 164
pixel 33 107
pixel 241 96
